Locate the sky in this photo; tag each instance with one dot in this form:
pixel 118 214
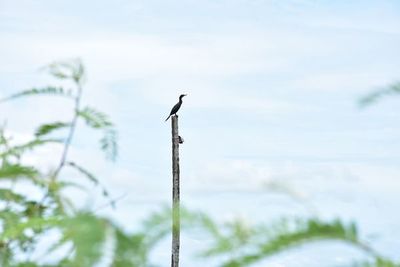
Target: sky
pixel 272 88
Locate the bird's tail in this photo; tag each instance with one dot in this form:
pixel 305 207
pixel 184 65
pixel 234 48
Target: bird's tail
pixel 168 117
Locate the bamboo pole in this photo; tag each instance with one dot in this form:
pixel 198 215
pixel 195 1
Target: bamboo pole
pixel 175 193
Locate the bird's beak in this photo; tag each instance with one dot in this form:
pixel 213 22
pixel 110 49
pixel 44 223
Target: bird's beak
pixel 185 95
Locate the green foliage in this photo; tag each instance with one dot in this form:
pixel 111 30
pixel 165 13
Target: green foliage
pixel 18 150
pixel 95 118
pixel 87 234
pixel 13 171
pixel 157 226
pixel 9 195
pixel 72 69
pixel 48 128
pixel 282 239
pixel 131 250
pixel 378 262
pixel 49 90
pixel 371 98
pixel 244 244
pixel 36 224
pixel 25 221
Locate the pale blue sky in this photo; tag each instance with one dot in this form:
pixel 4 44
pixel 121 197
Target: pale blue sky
pixel 272 94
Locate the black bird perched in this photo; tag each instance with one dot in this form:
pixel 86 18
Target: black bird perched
pixel 175 109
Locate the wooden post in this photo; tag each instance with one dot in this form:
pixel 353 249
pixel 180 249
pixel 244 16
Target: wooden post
pixel 175 193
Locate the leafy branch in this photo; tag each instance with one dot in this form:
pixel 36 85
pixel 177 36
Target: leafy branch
pixel 25 220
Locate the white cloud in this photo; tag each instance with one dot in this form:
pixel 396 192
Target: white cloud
pixel 360 81
pixel 252 63
pixel 296 178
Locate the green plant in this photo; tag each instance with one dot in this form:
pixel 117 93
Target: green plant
pixel 25 220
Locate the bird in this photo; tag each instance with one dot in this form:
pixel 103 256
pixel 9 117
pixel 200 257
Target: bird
pixel 175 109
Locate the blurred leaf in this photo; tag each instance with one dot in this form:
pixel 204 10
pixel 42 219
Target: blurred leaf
pixel 157 225
pixel 131 250
pixel 34 209
pixel 19 149
pixel 378 262
pixel 68 69
pixel 28 264
pixel 95 118
pixel 9 195
pixel 12 171
pixel 371 98
pixel 3 139
pixel 108 144
pixel 9 218
pixel 16 230
pixel 50 127
pixel 49 90
pixel 87 233
pixel 304 232
pixel 85 172
pixel 56 185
